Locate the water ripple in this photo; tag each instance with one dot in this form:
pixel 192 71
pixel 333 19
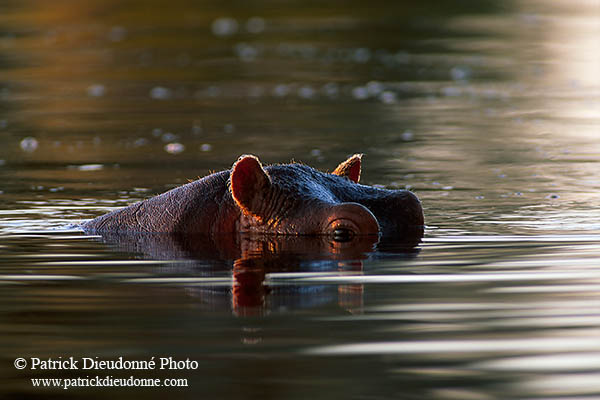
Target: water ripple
pixel 509 276
pixel 528 345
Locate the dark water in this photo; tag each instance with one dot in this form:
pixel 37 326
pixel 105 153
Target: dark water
pixel 489 111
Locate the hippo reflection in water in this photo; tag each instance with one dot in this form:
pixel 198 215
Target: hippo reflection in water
pixel 281 218
pixel 256 261
pixel 286 199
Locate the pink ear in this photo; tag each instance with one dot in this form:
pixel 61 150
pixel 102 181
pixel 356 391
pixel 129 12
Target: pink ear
pixel 350 168
pixel 248 183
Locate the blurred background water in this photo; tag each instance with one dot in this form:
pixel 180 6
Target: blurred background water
pixel 489 111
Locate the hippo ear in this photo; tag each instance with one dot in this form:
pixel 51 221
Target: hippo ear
pixel 350 168
pixel 249 184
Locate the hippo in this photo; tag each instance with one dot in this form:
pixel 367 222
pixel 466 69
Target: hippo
pixel 280 199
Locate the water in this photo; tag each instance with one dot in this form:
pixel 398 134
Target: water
pixel 489 111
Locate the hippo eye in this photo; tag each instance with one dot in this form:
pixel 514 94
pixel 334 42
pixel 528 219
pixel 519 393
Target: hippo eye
pixel 342 235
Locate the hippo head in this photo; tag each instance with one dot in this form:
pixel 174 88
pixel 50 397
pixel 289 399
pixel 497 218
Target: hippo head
pixel 299 200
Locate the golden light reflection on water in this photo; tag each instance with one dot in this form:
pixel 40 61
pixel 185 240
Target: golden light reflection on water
pixel 554 362
pixel 563 384
pixel 573 42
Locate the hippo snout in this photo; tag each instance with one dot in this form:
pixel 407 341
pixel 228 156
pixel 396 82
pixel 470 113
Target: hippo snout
pixel 396 210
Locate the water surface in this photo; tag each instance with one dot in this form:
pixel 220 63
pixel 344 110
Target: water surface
pixel 489 111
